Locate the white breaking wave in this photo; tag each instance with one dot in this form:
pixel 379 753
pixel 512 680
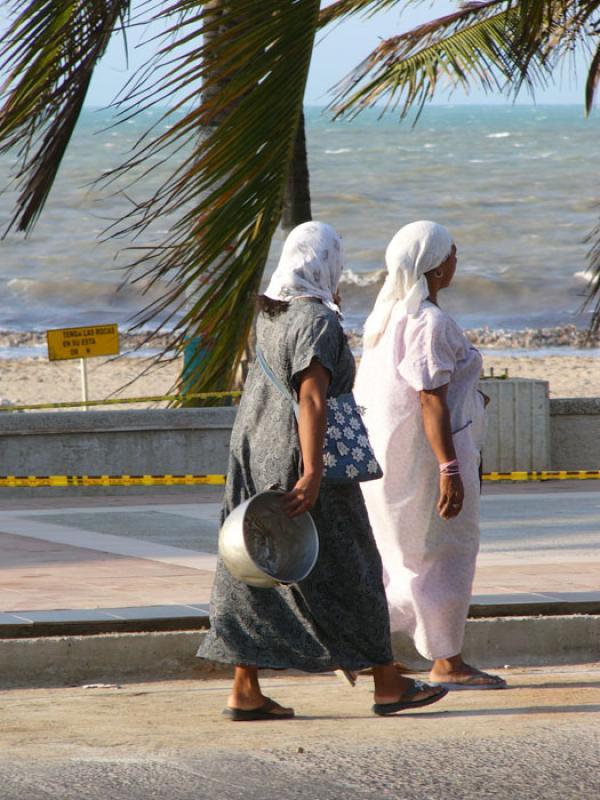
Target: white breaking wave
pixel 501 135
pixel 350 278
pixel 64 292
pixel 43 291
pixel 340 150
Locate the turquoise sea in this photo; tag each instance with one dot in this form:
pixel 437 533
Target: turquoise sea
pixel 517 186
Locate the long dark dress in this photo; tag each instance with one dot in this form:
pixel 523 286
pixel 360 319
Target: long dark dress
pixel 338 616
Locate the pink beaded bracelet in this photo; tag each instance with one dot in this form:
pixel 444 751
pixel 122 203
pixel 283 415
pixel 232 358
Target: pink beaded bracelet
pixel 450 467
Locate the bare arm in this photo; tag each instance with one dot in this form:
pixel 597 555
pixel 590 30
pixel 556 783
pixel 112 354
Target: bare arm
pixel 436 423
pixel 312 422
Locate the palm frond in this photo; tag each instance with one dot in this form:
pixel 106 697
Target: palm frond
pixel 537 15
pixel 593 291
pixel 49 51
pixel 474 43
pixel 235 73
pixel 346 8
pixel 549 30
pixel 340 9
pixel 592 81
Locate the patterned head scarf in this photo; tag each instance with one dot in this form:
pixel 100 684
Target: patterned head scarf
pixel 310 265
pixel 416 249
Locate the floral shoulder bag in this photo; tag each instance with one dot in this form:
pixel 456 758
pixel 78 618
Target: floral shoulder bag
pixel 347 452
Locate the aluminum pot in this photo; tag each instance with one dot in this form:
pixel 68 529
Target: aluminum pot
pixel 263 547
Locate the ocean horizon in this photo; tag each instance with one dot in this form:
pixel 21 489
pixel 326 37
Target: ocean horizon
pixel 512 183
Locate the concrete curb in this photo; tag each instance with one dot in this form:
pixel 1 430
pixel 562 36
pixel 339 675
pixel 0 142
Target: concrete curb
pixel 104 658
pixel 110 658
pixel 533 641
pixel 520 641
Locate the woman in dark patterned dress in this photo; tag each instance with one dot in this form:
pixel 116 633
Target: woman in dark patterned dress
pixel 338 616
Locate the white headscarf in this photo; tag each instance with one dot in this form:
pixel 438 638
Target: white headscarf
pixel 416 249
pixel 310 265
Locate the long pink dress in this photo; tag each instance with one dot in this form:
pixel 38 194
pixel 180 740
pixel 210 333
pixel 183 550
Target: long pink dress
pixel 429 563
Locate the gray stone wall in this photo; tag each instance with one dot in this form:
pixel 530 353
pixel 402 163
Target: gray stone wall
pixel 169 441
pixel 575 433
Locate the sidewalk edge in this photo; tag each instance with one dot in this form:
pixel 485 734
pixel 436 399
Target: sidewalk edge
pixel 110 658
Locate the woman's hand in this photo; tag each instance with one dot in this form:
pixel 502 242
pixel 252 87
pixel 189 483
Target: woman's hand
pixel 303 496
pixel 312 399
pixel 452 495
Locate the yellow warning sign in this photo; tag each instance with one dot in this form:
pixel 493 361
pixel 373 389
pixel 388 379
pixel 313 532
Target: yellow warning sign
pixel 97 340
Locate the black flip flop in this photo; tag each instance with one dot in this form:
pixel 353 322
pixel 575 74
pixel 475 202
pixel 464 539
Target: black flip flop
pixel 405 703
pixel 266 711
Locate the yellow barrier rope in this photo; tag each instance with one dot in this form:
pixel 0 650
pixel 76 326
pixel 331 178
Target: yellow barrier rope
pixel 124 401
pixel 59 481
pixel 545 475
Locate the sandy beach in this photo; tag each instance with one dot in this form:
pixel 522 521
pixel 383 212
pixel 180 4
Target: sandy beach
pixel 27 381
pixel 35 380
pixel 568 375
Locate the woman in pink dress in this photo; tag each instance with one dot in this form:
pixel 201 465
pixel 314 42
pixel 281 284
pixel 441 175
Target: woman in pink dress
pixel 418 380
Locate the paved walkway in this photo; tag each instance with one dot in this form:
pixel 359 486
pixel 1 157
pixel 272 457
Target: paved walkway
pixel 538 740
pixel 154 555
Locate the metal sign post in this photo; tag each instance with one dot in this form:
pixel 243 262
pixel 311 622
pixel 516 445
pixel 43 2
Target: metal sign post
pixel 83 343
pixel 84 382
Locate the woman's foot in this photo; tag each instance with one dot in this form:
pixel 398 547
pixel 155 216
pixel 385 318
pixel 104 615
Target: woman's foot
pixel 416 691
pixel 259 702
pixel 417 695
pixel 246 696
pixel 392 687
pixel 453 673
pixel 269 710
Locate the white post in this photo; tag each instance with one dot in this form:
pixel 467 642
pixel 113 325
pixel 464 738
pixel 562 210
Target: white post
pixel 84 383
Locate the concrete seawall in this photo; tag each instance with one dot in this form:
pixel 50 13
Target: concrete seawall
pixel 575 433
pixel 196 441
pixel 116 442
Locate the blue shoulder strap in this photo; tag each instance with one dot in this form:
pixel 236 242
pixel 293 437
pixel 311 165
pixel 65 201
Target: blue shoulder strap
pixel 275 380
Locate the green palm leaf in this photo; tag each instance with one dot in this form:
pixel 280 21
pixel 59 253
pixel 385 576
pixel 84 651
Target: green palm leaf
pixel 239 77
pixel 550 30
pixel 474 43
pixel 592 81
pixel 593 292
pixel 347 8
pixel 49 53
